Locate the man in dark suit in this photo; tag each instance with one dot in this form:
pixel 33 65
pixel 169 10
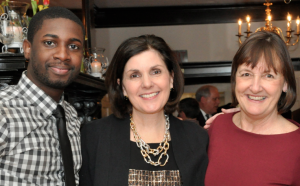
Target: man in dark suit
pixel 209 100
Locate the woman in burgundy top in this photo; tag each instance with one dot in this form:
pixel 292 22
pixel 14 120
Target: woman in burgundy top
pixel 257 146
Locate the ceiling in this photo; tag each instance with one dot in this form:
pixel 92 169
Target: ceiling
pixel 155 3
pixel 77 4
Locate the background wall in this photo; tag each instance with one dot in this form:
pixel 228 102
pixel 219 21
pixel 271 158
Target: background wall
pixel 204 43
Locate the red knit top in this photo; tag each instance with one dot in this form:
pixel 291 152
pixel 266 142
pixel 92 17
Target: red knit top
pixel 240 158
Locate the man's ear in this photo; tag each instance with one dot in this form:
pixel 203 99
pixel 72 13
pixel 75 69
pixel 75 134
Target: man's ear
pixel 27 49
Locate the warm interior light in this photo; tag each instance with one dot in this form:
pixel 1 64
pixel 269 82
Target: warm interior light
pixel 289 17
pixel 268 26
pixel 248 18
pixel 240 21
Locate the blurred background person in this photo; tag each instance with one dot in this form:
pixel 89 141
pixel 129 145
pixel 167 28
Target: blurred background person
pixel 142 143
pixel 257 146
pixel 188 109
pixel 209 99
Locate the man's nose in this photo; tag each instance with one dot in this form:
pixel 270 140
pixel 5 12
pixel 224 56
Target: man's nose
pixel 62 53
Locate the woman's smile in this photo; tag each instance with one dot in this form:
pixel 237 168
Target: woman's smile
pixel 149 96
pixel 256 98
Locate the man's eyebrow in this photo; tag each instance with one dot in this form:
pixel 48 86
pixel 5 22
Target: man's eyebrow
pixel 56 36
pixel 51 35
pixel 75 39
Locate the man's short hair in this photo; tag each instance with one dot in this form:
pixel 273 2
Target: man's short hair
pixel 190 107
pixel 50 13
pixel 203 91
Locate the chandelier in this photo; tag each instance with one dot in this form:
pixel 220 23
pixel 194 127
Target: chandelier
pixel 268 27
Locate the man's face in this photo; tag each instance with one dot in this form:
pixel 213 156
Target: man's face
pixel 55 54
pixel 211 103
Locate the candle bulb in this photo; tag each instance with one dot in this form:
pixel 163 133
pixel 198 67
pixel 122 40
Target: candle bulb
pixel 269 18
pixel 248 21
pixel 298 23
pixel 240 26
pixel 248 18
pixel 289 18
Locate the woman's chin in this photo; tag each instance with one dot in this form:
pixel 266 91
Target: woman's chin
pixel 257 112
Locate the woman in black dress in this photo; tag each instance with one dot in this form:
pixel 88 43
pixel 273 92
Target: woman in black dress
pixel 142 143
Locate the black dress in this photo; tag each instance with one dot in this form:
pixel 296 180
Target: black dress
pixel 106 152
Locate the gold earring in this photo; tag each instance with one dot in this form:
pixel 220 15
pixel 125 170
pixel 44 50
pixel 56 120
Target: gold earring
pixel 126 98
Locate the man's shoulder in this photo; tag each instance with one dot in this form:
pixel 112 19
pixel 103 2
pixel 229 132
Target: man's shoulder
pixel 7 92
pixel 3 86
pixel 8 98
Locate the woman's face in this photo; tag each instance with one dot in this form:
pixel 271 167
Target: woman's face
pixel 147 82
pixel 258 90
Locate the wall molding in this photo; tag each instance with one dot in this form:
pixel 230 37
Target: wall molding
pixel 186 15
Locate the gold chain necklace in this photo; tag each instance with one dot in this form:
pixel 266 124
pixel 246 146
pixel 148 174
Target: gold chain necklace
pixel 145 148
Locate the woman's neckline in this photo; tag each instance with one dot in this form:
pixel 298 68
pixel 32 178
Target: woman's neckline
pixel 281 134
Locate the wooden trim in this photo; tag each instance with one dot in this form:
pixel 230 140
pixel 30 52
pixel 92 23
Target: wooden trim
pixel 90 81
pixel 185 15
pixel 213 72
pixel 88 22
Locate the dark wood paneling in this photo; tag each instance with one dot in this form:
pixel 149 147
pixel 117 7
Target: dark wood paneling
pixel 213 72
pixel 184 15
pixel 88 22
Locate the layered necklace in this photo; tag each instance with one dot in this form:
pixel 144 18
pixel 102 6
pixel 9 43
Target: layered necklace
pixel 146 151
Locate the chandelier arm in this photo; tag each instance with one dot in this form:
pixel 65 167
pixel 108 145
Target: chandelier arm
pixel 293 44
pixel 240 40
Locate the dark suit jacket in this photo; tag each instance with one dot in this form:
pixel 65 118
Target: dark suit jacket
pixel 106 152
pixel 201 119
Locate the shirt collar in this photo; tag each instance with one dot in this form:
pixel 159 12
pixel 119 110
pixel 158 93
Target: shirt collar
pixel 37 96
pixel 204 113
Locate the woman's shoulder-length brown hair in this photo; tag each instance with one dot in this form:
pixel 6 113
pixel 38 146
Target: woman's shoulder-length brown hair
pixel 270 46
pixel 129 48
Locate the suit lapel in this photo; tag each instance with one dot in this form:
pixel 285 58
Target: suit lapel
pixel 181 147
pixel 201 119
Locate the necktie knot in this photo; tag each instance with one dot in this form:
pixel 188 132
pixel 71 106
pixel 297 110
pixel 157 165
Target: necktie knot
pixel 207 116
pixel 59 112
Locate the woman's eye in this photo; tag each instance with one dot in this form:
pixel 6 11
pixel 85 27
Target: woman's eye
pixel 156 72
pixel 73 47
pixel 134 76
pixel 246 74
pixel 49 43
pixel 270 76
